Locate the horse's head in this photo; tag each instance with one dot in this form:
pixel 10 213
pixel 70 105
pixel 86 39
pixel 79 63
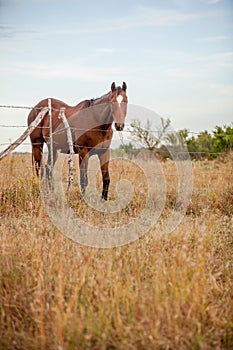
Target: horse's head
pixel 119 100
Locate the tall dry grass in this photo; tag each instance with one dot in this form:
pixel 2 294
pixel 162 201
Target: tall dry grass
pixel 161 292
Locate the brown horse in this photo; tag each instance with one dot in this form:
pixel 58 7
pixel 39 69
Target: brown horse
pixel 91 127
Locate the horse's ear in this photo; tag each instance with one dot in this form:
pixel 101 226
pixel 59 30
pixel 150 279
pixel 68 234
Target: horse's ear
pixel 124 86
pixel 113 86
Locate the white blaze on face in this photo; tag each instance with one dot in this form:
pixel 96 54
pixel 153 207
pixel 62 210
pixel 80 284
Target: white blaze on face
pixel 119 99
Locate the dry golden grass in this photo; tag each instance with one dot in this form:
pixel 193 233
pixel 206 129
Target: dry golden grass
pixel 161 292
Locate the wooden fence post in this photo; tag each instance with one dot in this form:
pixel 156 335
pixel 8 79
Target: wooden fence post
pixel 70 143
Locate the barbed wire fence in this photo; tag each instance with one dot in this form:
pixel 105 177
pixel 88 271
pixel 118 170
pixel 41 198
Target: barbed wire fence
pixel 11 146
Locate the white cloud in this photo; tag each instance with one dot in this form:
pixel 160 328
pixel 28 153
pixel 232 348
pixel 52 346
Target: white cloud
pixel 181 73
pixel 222 89
pixel 104 50
pixel 150 17
pixel 221 59
pixel 9 31
pixel 165 17
pixel 77 71
pixel 212 38
pixel 141 17
pixel 213 1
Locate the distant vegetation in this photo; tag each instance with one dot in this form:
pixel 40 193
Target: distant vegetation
pixel 203 145
pixel 206 145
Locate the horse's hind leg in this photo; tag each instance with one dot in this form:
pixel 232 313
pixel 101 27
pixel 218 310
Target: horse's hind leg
pixel 37 151
pixel 83 164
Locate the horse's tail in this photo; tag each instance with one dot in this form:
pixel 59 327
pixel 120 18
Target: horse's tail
pixel 37 139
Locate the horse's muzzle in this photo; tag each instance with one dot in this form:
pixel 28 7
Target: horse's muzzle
pixel 119 126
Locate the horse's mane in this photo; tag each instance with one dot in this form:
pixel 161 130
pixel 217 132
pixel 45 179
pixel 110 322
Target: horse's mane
pixel 93 101
pixel 100 99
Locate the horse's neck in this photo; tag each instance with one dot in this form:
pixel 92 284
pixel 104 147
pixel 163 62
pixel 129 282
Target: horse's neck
pixel 103 109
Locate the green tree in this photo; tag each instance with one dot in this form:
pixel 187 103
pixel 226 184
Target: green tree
pixel 199 147
pixel 223 138
pixel 183 134
pixel 192 147
pixel 204 145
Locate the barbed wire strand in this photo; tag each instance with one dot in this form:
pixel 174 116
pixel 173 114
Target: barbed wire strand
pixel 104 148
pixel 123 131
pixel 79 129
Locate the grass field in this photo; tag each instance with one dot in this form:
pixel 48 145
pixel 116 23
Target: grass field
pixel 164 291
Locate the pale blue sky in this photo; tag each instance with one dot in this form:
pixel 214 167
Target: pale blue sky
pixel 175 55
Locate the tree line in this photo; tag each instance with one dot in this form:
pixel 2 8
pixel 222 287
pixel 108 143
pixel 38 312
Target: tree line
pixel 162 141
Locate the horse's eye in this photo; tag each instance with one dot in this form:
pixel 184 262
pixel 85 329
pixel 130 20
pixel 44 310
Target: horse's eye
pixel 119 98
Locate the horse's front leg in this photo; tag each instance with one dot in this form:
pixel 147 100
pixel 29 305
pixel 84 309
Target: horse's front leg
pixel 104 163
pixel 83 164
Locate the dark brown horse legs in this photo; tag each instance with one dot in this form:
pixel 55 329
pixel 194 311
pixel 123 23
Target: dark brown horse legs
pixel 37 151
pixel 83 163
pixel 83 180
pixel 106 182
pixel 104 162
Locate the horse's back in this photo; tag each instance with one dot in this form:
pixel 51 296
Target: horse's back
pixel 56 105
pixel 41 132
